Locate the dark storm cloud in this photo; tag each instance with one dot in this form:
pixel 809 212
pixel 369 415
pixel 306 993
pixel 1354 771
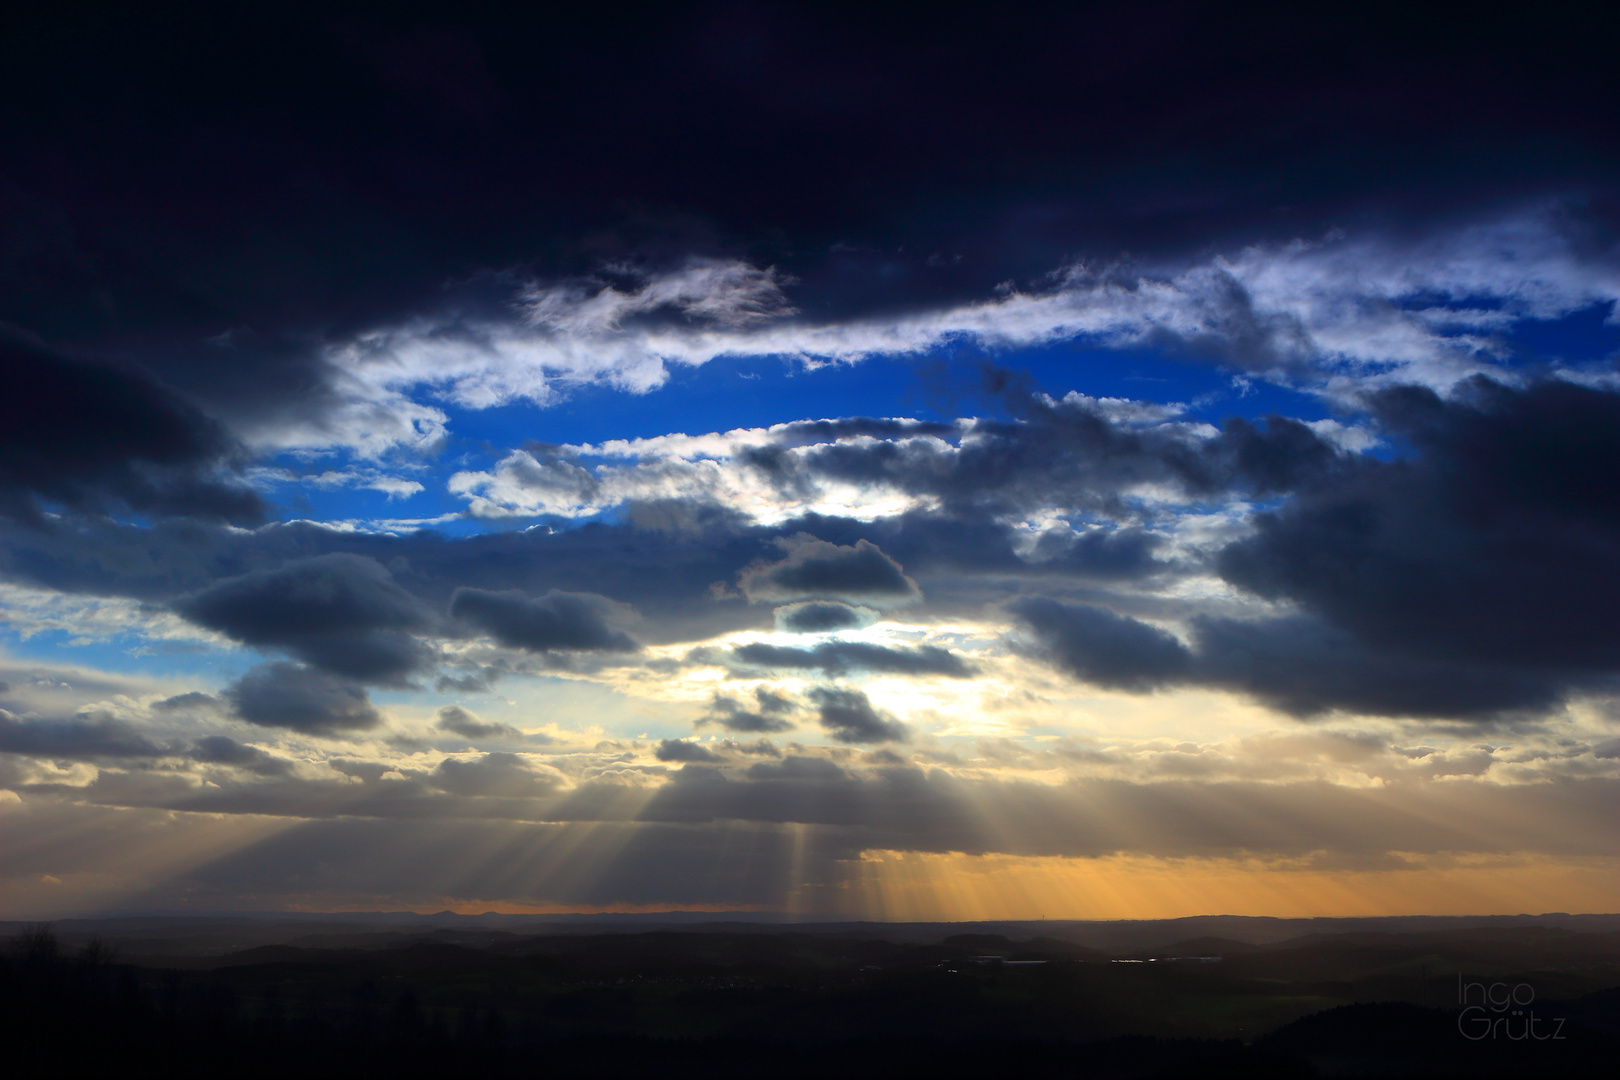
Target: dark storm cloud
pixel 86 737
pixel 773 460
pixel 1062 454
pixel 846 657
pixel 686 752
pixel 1497 541
pixel 302 699
pixel 478 681
pixel 557 620
pixel 850 717
pixel 224 750
pixel 766 748
pixel 815 568
pixel 667 575
pixel 469 725
pixel 768 713
pixel 343 613
pixel 1464 577
pixel 1301 667
pixel 355 163
pixel 192 700
pixel 1101 553
pixel 1293 664
pixel 669 578
pixel 1087 457
pixel 1471 575
pixel 1073 454
pixel 973 543
pixel 93 436
pixel 1077 453
pixel 820 616
pixel 1100 647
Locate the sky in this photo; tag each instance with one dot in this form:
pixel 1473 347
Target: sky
pixel 1018 462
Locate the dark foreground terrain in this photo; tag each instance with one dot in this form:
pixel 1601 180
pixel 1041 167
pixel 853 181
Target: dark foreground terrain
pixel 490 997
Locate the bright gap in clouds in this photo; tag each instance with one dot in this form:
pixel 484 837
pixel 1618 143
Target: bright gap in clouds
pixel 756 392
pixel 1581 337
pixel 729 392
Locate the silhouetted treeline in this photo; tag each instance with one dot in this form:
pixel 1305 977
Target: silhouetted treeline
pixel 451 1011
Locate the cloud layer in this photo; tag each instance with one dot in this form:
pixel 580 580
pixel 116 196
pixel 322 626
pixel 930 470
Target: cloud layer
pixel 1332 314
pixel 1093 437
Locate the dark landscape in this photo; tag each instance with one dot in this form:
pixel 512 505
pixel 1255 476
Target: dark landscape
pixel 399 995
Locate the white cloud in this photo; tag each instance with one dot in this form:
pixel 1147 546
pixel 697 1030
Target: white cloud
pixel 523 485
pixel 1123 411
pixel 93 619
pixel 571 333
pixel 395 487
pixel 369 416
pixel 1352 438
pixel 1332 314
pixel 586 479
pixel 726 293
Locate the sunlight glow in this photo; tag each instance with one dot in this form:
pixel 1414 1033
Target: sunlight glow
pixel 927 886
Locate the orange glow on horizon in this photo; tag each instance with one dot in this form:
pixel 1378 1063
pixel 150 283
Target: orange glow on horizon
pixel 953 887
